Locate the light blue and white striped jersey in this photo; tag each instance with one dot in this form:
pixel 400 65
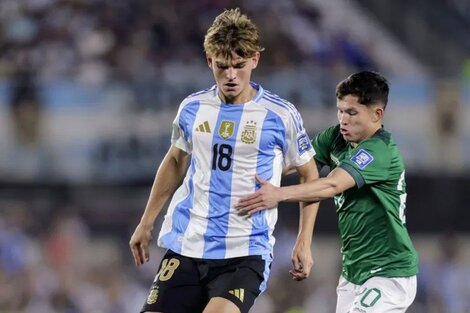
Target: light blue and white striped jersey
pixel 229 144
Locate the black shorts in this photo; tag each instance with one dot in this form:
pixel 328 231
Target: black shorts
pixel 185 285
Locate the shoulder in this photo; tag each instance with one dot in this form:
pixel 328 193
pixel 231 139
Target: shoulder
pixel 381 140
pixel 277 104
pixel 206 94
pixel 194 99
pixel 379 147
pixel 332 131
pixel 281 107
pixel 330 136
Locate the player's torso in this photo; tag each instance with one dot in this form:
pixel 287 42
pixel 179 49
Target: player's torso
pixel 371 219
pixel 230 144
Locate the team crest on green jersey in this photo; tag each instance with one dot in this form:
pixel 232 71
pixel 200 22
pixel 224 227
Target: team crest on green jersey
pixel 362 158
pixel 249 132
pixel 226 129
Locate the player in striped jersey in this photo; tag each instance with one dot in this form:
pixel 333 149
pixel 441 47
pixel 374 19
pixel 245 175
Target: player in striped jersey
pixel 218 261
pixel 367 181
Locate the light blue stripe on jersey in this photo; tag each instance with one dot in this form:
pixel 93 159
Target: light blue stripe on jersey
pixel 221 185
pixel 267 269
pixel 180 224
pixel 186 122
pixel 293 112
pixel 187 119
pixel 273 134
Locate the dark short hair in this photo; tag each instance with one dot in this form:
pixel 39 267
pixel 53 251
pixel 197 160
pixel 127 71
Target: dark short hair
pixel 370 88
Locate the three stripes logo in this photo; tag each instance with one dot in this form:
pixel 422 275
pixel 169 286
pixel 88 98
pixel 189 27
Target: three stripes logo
pixel 239 293
pixel 204 127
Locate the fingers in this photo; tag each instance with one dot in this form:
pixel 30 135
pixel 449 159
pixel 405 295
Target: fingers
pixel 251 209
pixel 140 251
pixel 250 205
pixel 138 254
pixel 301 267
pixel 247 200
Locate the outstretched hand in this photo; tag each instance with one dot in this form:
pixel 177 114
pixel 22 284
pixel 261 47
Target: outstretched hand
pixel 267 197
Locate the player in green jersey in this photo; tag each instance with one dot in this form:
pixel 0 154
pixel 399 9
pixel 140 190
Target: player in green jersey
pixel 367 181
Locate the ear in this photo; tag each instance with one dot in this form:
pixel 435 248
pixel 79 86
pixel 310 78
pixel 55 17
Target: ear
pixel 209 61
pixel 378 113
pixel 255 59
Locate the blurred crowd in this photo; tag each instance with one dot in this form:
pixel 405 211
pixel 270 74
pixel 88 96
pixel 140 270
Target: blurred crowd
pixel 92 41
pixel 156 44
pixel 56 261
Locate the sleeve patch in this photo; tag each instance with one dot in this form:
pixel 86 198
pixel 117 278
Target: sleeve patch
pixel 362 158
pixel 303 143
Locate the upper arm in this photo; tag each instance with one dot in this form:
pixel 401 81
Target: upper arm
pixel 341 180
pixel 178 158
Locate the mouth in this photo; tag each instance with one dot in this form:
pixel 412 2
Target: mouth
pixel 230 86
pixel 344 131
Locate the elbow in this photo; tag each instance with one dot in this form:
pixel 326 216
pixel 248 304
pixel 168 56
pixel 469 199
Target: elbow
pixel 333 189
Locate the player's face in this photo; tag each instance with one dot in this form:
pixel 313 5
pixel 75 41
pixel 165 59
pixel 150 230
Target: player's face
pixel 233 76
pixel 357 121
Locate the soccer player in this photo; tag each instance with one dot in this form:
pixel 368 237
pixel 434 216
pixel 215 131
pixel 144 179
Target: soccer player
pixel 218 261
pixel 367 181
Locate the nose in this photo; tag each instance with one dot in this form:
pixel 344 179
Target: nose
pixel 231 73
pixel 342 118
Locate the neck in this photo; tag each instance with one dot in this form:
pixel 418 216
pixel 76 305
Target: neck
pixel 246 95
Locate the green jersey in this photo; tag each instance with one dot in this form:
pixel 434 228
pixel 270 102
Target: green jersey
pixel 371 215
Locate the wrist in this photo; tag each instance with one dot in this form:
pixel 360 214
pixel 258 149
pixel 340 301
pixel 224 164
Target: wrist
pixel 146 224
pixel 282 194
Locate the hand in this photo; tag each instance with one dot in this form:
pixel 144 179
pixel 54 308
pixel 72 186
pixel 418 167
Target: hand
pixel 139 244
pixel 302 261
pixel 267 197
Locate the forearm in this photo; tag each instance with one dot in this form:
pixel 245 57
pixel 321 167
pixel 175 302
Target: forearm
pixel 307 218
pixel 308 210
pixel 312 191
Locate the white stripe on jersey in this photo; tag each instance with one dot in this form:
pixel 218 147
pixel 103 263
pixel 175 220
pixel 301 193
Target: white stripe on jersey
pixel 237 240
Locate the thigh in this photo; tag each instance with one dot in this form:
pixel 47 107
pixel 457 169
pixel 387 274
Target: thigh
pixel 346 293
pixel 176 288
pixel 385 295
pixel 240 282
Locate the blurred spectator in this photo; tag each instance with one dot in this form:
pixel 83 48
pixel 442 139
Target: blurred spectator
pixel 26 108
pixel 445 284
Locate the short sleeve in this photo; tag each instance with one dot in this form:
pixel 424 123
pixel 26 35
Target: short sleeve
pixel 181 131
pixel 369 162
pixel 322 145
pixel 299 148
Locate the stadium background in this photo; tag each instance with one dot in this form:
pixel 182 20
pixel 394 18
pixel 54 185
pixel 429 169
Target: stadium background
pixel 88 90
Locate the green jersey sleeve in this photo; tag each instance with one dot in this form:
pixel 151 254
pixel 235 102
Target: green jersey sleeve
pixel 322 145
pixel 369 162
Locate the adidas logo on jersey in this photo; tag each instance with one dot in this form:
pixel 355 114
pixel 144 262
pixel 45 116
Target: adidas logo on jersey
pixel 204 127
pixel 239 293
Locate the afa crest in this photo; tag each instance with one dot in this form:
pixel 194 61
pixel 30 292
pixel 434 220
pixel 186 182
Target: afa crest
pixel 249 132
pixel 226 129
pixel 153 296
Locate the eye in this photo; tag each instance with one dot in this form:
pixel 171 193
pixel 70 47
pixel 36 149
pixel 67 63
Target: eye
pixel 240 65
